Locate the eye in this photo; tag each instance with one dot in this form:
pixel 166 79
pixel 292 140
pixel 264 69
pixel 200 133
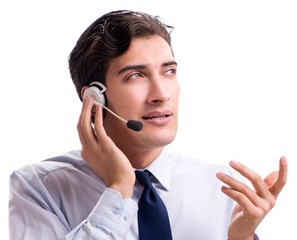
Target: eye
pixel 132 76
pixel 170 72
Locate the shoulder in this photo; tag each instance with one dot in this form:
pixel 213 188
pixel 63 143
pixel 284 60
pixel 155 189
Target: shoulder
pixel 66 161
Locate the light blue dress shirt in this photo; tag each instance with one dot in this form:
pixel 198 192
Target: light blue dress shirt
pixel 62 198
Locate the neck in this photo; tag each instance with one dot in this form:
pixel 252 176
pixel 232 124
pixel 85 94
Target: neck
pixel 140 159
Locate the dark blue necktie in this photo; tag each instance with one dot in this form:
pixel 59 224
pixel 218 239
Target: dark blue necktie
pixel 153 221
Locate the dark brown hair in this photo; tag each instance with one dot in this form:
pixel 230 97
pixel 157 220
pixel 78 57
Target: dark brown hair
pixel 107 38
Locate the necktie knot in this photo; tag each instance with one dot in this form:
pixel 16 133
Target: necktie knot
pixel 144 178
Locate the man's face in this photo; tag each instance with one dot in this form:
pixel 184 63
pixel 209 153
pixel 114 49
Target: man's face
pixel 142 85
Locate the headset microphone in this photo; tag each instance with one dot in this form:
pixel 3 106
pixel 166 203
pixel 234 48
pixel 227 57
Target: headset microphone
pixel 132 124
pixel 96 90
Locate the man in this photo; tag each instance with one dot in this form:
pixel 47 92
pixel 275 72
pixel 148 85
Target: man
pixel 93 193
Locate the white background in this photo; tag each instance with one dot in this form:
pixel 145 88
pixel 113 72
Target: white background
pixel 237 69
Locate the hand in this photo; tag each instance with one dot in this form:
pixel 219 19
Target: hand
pixel 101 153
pixel 252 205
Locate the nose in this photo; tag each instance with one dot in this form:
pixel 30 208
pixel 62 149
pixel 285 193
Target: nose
pixel 158 92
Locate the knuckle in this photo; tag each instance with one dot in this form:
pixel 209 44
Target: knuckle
pixel 271 203
pixel 239 198
pixel 283 181
pixel 256 178
pixel 83 155
pixel 257 213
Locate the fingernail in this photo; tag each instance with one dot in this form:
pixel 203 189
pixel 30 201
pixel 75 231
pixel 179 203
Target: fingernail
pixel 233 163
pixel 284 160
pixel 220 175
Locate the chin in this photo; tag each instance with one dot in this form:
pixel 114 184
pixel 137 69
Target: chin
pixel 163 139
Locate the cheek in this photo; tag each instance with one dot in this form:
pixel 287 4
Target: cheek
pixel 174 90
pixel 126 97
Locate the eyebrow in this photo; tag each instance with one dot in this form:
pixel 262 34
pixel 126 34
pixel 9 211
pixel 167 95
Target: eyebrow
pixel 142 66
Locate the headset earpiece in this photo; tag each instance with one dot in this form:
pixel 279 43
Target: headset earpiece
pixel 96 89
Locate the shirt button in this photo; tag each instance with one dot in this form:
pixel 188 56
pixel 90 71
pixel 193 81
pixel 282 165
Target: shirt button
pixel 125 217
pixel 116 211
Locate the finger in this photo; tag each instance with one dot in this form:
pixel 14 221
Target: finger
pixel 238 186
pixel 281 180
pixel 98 124
pixel 271 178
pixel 99 129
pixel 244 202
pixel 78 126
pixel 254 178
pixel 86 129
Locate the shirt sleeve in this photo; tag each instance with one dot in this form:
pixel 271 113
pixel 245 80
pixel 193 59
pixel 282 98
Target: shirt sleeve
pixel 111 218
pixel 33 215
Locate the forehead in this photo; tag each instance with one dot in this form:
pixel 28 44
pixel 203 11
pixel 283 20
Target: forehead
pixel 149 51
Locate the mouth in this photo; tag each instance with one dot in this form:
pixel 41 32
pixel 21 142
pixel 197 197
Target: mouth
pixel 157 115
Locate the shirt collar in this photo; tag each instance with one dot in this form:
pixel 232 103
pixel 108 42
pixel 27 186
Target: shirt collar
pixel 161 169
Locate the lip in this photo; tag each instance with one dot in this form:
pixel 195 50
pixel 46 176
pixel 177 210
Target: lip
pixel 159 118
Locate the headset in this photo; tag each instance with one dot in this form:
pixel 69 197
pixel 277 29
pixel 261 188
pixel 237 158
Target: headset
pixel 96 90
